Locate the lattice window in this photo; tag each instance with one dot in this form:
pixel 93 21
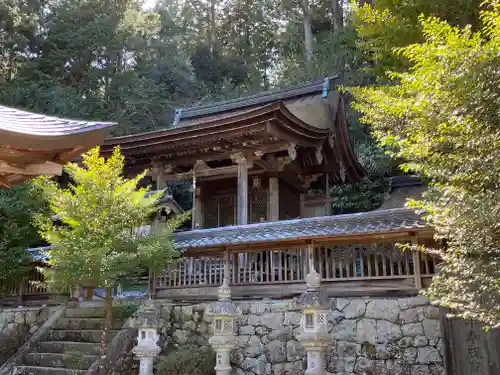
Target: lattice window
pixel 227 210
pixel 257 205
pixel 211 212
pixel 219 211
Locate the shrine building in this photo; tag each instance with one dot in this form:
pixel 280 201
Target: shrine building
pixel 260 170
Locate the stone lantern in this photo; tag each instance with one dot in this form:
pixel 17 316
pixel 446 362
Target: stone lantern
pixel 147 348
pixel 223 338
pixel 314 324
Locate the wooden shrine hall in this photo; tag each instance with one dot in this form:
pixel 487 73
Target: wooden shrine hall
pixel 252 159
pixel 261 169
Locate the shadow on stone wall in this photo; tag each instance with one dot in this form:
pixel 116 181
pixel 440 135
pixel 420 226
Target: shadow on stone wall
pixel 370 336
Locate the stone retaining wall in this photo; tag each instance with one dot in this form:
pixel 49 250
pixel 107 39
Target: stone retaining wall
pixel 370 336
pixel 17 325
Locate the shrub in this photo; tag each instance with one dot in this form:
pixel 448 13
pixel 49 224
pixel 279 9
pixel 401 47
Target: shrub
pixel 188 360
pixel 72 359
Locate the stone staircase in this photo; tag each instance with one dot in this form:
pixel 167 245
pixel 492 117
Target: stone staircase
pixel 70 346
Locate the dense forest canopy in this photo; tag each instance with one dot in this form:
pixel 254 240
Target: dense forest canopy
pixel 135 62
pixel 132 63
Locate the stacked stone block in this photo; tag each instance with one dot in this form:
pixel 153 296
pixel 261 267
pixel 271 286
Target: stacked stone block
pixel 370 336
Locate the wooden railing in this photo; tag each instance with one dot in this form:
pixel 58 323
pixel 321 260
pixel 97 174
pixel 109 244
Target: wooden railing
pixel 32 285
pixel 366 264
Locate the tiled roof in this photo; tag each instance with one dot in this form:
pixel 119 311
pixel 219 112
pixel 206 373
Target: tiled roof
pixel 382 221
pixel 373 222
pixel 19 121
pixel 39 253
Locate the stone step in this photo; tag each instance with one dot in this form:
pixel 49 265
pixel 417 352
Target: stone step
pixel 85 323
pixel 88 335
pixel 86 312
pixel 66 360
pixel 89 348
pixel 37 370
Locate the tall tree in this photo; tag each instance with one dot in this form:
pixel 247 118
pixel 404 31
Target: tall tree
pixel 442 118
pixel 389 24
pixel 96 245
pixel 17 206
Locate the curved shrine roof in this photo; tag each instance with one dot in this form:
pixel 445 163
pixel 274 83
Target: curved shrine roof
pixel 34 144
pixel 309 116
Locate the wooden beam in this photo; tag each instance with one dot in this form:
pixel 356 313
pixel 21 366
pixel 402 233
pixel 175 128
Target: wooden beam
pixel 222 171
pixel 47 168
pixel 340 288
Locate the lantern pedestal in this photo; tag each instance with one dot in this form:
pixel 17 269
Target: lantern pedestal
pixel 314 335
pixel 147 348
pixel 223 339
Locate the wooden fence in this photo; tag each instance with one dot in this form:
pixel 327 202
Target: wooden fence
pixel 358 264
pixel 32 286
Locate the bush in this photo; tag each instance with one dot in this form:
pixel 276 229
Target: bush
pixel 189 360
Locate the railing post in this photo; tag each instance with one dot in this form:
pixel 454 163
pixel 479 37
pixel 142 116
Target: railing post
pixel 416 264
pixel 21 291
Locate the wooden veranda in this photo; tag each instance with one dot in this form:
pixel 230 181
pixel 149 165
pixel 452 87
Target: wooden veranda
pixel 357 254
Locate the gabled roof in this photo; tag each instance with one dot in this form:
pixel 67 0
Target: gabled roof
pixel 33 144
pixel 310 117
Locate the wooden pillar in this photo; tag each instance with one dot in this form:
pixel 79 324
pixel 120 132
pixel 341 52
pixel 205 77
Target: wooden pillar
pixel 416 265
pixel 160 180
pixel 328 202
pixel 242 198
pixel 198 214
pixel 274 199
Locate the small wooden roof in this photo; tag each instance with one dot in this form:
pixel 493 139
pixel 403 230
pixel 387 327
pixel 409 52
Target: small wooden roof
pixel 34 144
pixel 309 117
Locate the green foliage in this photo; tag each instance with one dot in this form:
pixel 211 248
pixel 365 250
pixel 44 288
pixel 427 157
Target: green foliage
pixel 123 312
pixel 365 195
pixel 72 359
pixel 17 205
pixel 97 243
pixel 187 360
pixel 389 24
pixel 442 119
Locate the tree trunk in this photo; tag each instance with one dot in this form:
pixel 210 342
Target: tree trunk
pixel 337 14
pixel 308 37
pixel 108 300
pixel 212 26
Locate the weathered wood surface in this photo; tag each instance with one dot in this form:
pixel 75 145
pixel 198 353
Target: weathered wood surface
pixel 468 349
pixel 355 269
